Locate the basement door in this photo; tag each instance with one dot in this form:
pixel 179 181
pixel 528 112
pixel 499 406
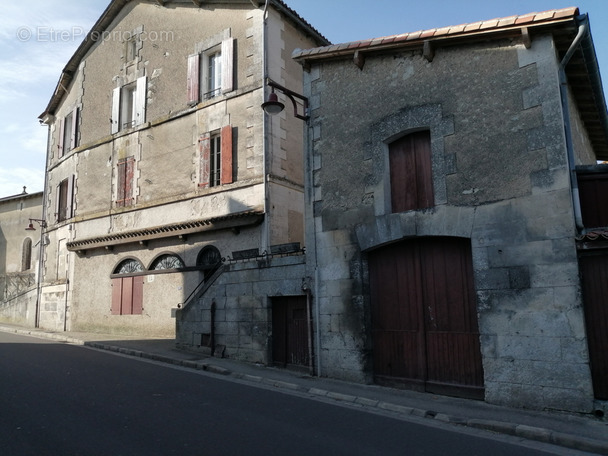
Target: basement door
pixel 290 332
pixel 594 275
pixel 424 317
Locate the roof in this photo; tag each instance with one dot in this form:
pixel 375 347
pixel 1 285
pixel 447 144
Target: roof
pixel 112 11
pixel 22 195
pixel 582 70
pixel 462 30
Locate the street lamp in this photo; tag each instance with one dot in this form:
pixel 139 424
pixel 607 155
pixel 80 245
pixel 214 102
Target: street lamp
pixel 31 227
pixel 273 106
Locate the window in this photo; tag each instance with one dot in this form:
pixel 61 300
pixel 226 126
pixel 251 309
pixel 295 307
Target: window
pixel 68 133
pixel 124 181
pixel 216 158
pixel 129 105
pixel 26 254
pixel 131 48
pixel 210 73
pixel 128 292
pixel 167 262
pixel 64 201
pixel 411 172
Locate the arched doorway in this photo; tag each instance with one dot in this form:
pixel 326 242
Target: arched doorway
pixel 424 317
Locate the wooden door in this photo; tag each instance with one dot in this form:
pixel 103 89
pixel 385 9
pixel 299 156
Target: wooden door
pixel 290 331
pixel 594 275
pixel 424 317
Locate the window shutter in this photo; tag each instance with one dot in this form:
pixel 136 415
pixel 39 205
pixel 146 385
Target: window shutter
pixel 115 110
pixel 116 296
pixel 193 78
pixel 141 93
pixel 227 65
pixel 226 154
pixel 124 185
pixel 58 203
pixel 74 132
pixel 205 147
pixel 137 300
pixel 69 210
pixel 60 141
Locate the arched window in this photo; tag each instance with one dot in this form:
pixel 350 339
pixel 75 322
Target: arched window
pixel 167 261
pixel 208 259
pixel 129 266
pixel 26 254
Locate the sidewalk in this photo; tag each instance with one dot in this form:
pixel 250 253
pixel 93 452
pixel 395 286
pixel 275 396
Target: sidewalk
pixel 584 433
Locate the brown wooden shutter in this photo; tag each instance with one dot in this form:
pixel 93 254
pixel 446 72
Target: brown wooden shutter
pixel 60 144
pixel 116 296
pixel 410 172
pixel 226 154
pixel 74 132
pixel 193 78
pixel 137 300
pixel 116 110
pixel 227 65
pixel 205 151
pixel 124 186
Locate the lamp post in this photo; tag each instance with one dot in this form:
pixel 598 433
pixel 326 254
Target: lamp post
pixel 31 227
pixel 273 106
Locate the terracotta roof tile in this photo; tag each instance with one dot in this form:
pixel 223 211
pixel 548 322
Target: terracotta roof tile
pixel 544 16
pixel 462 29
pixel 525 19
pixel 489 24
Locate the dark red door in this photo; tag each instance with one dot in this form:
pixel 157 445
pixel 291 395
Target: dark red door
pixel 594 274
pixel 424 317
pixel 290 331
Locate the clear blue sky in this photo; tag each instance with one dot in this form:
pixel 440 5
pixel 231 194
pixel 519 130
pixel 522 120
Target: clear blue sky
pixel 37 37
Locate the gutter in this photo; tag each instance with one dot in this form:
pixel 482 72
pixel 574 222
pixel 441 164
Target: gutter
pixel 583 31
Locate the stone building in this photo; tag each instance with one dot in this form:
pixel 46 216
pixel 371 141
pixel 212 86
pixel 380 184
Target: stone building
pixel 162 166
pixel 444 223
pixel 19 257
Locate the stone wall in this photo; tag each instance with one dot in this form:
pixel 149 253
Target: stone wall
pixel 500 179
pixel 243 314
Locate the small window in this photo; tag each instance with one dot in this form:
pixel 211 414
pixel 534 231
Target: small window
pixel 411 172
pixel 131 49
pixel 210 73
pixel 129 105
pixel 68 133
pixel 216 158
pixel 167 262
pixel 65 197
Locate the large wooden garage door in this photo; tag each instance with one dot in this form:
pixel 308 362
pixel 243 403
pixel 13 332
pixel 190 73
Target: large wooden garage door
pixel 594 272
pixel 424 317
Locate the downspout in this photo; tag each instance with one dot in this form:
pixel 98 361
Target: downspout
pixel 266 233
pixel 43 231
pixel 583 29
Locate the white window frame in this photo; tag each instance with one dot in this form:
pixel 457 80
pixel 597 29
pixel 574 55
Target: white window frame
pixel 129 105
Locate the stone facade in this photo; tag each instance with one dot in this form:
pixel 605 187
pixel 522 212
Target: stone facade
pixel 500 177
pixel 168 156
pixel 19 257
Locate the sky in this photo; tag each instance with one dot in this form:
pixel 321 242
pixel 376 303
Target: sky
pixel 37 38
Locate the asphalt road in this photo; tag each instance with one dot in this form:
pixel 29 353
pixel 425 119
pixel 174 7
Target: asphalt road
pixel 64 400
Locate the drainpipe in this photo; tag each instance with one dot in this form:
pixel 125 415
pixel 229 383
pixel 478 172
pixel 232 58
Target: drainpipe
pixel 266 234
pixel 583 29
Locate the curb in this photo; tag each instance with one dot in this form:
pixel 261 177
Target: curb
pixel 519 430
